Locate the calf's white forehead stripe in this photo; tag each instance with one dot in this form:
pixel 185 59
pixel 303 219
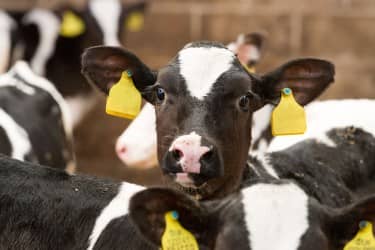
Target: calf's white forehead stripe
pixel 116 208
pixel 48 27
pixel 18 137
pixel 201 67
pixel 107 13
pixel 276 216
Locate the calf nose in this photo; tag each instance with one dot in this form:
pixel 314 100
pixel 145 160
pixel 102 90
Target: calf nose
pixel 188 152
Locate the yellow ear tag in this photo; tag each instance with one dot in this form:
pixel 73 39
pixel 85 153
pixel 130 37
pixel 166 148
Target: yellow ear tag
pixel 135 21
pixel 288 118
pixel 364 239
pixel 175 237
pixel 249 69
pixel 72 25
pixel 124 100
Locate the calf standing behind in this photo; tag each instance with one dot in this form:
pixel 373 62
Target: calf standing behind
pixel 34 120
pixel 57 56
pixel 309 196
pixel 204 101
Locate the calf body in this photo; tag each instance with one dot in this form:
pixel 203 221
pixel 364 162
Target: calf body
pixel 306 197
pixel 44 208
pixel 35 120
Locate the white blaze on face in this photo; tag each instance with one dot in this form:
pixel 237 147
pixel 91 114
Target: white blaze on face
pixel 137 144
pixel 6 27
pixel 118 207
pixel 326 115
pixel 107 13
pixel 18 137
pixel 276 216
pixel 202 66
pixel 48 26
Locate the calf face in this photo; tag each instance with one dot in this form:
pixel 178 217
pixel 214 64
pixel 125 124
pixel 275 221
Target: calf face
pixel 286 219
pixel 136 146
pixel 204 100
pixel 35 119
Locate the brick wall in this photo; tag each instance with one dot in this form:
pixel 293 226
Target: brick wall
pixel 339 30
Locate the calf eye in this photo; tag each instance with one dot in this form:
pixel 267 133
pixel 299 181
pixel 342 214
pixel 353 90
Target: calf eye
pixel 160 93
pixel 244 102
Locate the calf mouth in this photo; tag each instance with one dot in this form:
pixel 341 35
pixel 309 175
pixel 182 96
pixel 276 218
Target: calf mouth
pixel 199 187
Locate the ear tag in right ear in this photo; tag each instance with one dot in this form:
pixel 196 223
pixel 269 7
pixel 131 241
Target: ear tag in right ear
pixel 175 237
pixel 72 25
pixel 288 118
pixel 364 240
pixel 124 100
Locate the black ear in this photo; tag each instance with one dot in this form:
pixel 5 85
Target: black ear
pixel 344 223
pixel 147 210
pixel 102 66
pixel 308 78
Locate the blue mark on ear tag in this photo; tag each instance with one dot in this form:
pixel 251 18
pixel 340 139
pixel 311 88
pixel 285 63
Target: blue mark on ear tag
pixel 174 215
pixel 362 224
pixel 129 73
pixel 287 91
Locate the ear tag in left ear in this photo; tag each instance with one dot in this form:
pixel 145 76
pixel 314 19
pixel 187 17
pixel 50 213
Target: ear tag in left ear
pixel 135 21
pixel 72 25
pixel 364 240
pixel 124 100
pixel 288 118
pixel 175 237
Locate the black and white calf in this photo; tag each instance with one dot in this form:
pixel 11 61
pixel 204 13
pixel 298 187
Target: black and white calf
pixel 204 100
pixel 316 203
pixel 34 120
pixel 309 196
pixel 57 57
pixel 45 208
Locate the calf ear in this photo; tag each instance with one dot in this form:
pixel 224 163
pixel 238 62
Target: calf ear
pixel 102 66
pixel 249 48
pixel 308 78
pixel 147 210
pixel 344 223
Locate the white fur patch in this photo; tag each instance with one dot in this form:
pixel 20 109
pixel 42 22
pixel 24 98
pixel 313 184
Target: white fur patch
pixel 23 69
pixel 276 216
pixel 17 136
pixel 326 115
pixel 116 208
pixel 49 26
pixel 139 139
pixel 6 26
pixel 80 105
pixel 201 67
pixel 107 13
pixel 262 157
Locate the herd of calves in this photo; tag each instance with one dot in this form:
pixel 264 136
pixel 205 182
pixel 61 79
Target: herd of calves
pixel 206 123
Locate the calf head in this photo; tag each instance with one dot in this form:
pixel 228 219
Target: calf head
pixel 204 100
pixel 287 219
pixel 136 146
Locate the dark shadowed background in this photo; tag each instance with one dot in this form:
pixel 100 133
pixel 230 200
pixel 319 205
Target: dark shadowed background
pixel 342 31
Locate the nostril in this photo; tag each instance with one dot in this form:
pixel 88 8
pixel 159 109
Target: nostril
pixel 207 156
pixel 122 150
pixel 177 154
